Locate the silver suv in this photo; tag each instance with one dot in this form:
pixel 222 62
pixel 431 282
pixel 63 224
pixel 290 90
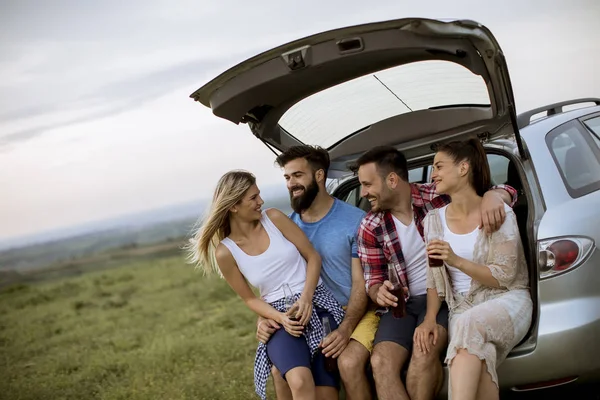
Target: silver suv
pixel 414 83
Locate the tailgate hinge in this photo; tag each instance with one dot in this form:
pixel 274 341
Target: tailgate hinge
pixel 484 137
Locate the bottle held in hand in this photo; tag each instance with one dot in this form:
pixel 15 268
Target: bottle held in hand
pixel 330 362
pixel 289 300
pixel 400 310
pixel 434 232
pixel 434 262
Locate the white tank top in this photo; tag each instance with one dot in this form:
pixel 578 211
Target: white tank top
pixel 280 263
pixel 463 246
pixel 415 256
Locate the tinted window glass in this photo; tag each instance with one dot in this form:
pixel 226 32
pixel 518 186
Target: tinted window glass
pixel 594 125
pixel 498 168
pixel 326 117
pixel 577 157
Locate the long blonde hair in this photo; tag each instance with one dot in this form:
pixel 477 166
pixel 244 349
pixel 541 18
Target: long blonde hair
pixel 230 190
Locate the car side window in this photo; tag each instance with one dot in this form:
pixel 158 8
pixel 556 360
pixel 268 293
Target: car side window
pixel 577 156
pixel 419 175
pixel 593 125
pixel 498 168
pixel 353 196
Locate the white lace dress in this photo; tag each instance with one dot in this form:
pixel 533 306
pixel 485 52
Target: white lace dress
pixel 489 322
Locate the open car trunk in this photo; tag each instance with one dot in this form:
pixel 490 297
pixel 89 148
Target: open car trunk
pixel 411 83
pixel 350 89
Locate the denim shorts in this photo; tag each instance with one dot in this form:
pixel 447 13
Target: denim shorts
pixel 402 330
pixel 286 352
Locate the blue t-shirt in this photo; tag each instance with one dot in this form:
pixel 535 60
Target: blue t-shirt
pixel 334 237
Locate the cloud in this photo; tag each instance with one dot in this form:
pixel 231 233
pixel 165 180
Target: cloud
pixel 72 62
pixel 113 97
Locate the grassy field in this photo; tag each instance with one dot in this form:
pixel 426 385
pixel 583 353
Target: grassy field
pixel 146 329
pixel 149 327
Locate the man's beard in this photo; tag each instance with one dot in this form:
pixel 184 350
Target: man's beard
pixel 305 200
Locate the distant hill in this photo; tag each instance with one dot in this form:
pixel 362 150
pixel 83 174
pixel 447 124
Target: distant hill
pixel 139 229
pixel 188 210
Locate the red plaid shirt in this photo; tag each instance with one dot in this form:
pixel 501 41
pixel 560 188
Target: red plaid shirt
pixel 377 239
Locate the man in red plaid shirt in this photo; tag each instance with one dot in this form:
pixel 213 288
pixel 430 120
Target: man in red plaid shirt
pixel 392 233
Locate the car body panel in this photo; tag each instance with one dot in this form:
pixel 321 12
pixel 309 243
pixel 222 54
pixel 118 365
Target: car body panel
pixel 569 303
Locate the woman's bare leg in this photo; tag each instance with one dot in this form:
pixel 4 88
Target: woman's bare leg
pixel 487 388
pixel 301 383
pixel 282 390
pixel 465 373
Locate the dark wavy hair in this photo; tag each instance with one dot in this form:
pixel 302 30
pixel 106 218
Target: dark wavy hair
pixel 473 153
pixel 386 158
pixel 317 157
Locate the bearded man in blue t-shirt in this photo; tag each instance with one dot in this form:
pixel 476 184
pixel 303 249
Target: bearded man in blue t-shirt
pixel 331 225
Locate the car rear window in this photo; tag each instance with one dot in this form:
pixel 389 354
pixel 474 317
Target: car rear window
pixel 329 116
pixel 577 157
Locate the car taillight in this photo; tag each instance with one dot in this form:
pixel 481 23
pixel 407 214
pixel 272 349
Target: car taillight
pixel 560 255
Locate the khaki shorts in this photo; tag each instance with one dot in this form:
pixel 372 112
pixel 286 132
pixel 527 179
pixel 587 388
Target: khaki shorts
pixel 364 333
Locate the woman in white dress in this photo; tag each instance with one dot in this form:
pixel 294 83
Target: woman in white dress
pixel 247 245
pixel 489 300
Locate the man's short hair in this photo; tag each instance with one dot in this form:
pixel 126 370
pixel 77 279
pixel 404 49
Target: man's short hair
pixel 317 157
pixel 387 159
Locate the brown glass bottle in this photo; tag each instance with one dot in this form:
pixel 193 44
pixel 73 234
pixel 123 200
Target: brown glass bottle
pixel 400 310
pixel 330 362
pixel 434 262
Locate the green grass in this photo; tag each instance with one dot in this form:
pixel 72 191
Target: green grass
pixel 150 329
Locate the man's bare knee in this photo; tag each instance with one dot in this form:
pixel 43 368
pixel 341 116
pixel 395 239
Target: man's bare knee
pixel 388 358
pixel 353 361
pixel 422 365
pixel 350 364
pixel 425 374
pixel 379 362
pixel 421 361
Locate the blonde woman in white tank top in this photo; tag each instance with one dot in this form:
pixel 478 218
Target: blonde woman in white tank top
pixel 266 249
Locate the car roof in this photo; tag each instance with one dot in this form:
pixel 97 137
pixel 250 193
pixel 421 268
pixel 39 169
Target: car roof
pixel 544 125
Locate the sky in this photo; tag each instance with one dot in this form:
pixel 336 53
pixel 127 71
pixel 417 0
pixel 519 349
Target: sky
pixel 95 115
